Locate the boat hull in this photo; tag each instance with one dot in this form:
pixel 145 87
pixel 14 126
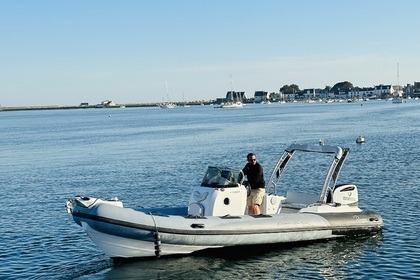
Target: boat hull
pixel 127 233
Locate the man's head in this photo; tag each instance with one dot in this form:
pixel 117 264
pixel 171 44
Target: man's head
pixel 252 158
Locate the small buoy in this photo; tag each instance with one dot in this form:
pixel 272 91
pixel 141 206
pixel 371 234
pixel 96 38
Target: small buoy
pixel 361 139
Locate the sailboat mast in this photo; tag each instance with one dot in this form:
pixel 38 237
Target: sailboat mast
pixel 167 91
pixel 231 89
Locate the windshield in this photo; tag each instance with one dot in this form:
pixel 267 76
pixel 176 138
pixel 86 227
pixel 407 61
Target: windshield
pixel 221 177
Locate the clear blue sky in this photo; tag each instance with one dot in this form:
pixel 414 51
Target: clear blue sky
pixel 67 52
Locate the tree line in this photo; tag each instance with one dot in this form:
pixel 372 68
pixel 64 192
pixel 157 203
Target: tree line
pixel 293 88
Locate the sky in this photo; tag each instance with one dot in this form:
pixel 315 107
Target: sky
pixel 60 52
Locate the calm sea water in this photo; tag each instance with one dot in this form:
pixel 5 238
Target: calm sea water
pixel 153 157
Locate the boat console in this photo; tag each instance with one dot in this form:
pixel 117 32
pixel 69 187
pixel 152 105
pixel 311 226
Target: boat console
pixel 221 193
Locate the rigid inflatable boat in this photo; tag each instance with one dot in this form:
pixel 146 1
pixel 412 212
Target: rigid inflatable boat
pixel 216 215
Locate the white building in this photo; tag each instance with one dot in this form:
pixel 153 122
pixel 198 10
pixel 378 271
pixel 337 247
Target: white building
pixel 361 93
pixel 260 96
pixel 383 91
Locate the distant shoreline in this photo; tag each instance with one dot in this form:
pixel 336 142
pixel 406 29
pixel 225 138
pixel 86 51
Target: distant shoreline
pixel 57 107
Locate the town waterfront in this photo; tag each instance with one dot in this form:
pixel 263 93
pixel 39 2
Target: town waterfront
pixel 153 157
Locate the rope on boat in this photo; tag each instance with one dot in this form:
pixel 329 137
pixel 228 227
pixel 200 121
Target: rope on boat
pixel 157 238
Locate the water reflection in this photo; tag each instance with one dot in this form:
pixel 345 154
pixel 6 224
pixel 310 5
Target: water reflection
pixel 329 260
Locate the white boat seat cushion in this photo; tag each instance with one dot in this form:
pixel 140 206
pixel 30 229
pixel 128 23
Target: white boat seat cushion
pixel 301 198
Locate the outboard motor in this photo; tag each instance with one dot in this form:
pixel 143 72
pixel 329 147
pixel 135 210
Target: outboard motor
pixel 345 194
pixel 220 193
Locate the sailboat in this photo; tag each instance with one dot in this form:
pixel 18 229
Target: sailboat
pixel 266 101
pixel 398 96
pixel 235 102
pixel 311 99
pixel 169 104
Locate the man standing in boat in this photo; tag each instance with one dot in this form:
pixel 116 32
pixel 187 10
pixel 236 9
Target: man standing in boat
pixel 254 172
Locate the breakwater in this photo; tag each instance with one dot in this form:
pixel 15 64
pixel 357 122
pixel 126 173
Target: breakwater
pixel 96 106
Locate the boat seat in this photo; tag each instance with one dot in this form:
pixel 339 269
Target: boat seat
pixel 196 209
pixel 271 203
pixel 301 198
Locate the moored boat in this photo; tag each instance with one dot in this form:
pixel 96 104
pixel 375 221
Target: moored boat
pixel 360 139
pixel 237 104
pixel 216 215
pixel 167 105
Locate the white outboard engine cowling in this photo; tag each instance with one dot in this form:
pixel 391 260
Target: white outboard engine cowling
pixel 345 194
